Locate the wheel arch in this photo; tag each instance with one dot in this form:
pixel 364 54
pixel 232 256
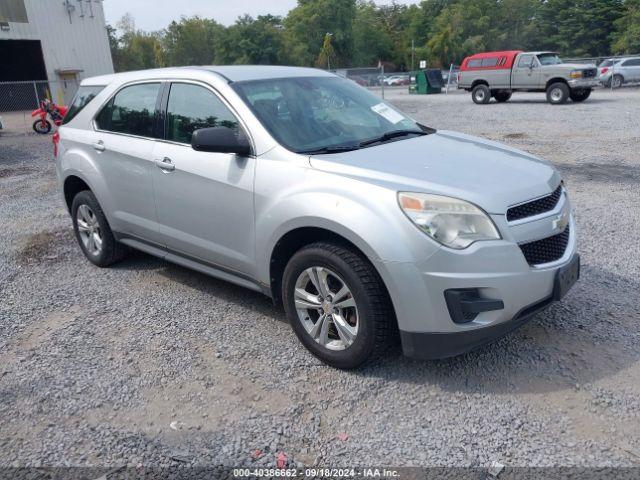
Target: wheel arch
pixel 556 80
pixel 479 81
pixel 72 185
pixel 296 238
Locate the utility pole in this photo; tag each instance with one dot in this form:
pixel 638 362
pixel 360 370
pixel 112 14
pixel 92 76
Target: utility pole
pixel 413 54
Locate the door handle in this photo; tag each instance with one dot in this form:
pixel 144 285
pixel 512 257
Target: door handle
pixel 99 146
pixel 165 164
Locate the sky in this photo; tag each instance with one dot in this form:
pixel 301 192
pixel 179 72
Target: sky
pixel 156 14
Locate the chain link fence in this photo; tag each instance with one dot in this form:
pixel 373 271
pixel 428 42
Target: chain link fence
pixel 19 99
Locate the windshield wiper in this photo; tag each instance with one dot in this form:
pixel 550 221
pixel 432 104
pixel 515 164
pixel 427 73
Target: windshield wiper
pixel 391 135
pixel 337 149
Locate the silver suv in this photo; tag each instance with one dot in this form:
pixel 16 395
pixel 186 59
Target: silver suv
pixel 614 72
pixel 302 185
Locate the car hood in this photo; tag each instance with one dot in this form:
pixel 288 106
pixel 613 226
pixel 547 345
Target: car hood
pixel 575 66
pixel 491 175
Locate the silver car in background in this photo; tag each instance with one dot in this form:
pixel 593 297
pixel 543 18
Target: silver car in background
pixel 615 72
pixel 366 225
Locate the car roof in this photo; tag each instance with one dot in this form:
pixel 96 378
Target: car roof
pixel 230 73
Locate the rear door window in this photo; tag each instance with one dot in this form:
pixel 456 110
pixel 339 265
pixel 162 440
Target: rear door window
pixel 131 111
pixel 83 96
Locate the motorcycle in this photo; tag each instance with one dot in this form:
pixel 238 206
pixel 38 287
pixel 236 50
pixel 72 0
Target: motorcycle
pixel 47 107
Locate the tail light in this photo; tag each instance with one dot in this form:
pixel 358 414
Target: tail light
pixel 458 77
pixel 604 70
pixel 56 141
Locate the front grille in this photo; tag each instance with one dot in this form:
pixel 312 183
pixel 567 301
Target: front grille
pixel 546 250
pixel 589 73
pixel 535 207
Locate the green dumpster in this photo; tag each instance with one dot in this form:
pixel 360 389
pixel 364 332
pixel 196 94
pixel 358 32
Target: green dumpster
pixel 426 81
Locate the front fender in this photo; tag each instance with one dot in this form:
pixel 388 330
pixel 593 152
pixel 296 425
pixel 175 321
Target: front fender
pixel 366 214
pixel 37 112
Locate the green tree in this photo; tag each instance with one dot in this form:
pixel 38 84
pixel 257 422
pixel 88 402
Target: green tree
pixel 192 41
pixel 371 42
pixel 626 38
pixel 577 27
pixel 327 54
pixel 134 49
pixel 307 24
pixel 252 41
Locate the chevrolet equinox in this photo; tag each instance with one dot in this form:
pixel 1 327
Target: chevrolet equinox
pixel 366 225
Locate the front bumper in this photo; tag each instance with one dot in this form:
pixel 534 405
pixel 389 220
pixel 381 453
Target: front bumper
pixel 584 82
pixel 496 282
pixel 430 346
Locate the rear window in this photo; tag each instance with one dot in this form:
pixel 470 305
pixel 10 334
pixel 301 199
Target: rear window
pixel 490 62
pixel 84 95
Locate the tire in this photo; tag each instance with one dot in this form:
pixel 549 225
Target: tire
pixel 481 95
pixel 616 81
pixel 86 212
pixel 42 127
pixel 371 317
pixel 580 95
pixel 502 95
pixel 558 93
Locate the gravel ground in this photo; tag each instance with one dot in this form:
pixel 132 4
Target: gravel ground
pixel 149 363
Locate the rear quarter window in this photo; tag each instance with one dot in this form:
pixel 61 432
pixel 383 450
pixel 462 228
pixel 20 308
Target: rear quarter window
pixel 474 63
pixel 84 95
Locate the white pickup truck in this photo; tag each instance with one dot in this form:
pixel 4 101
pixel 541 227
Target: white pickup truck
pixel 499 74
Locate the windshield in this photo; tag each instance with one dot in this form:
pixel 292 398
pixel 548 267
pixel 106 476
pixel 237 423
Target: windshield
pixel 549 59
pixel 308 114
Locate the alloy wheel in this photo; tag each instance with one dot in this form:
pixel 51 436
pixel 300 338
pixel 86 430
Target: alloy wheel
pixel 326 308
pixel 89 229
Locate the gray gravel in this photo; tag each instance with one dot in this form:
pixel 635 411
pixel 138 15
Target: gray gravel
pixel 149 363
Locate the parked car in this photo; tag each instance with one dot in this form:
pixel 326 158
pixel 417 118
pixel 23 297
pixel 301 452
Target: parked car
pixel 499 74
pixel 616 72
pixel 300 184
pixel 397 80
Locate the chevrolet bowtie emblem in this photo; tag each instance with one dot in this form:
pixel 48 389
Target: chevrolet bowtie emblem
pixel 561 221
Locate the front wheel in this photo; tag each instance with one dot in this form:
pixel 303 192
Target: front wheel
pixel 580 95
pixel 481 95
pixel 558 93
pixel 42 126
pixel 337 305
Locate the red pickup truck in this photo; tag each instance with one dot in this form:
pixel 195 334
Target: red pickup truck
pixel 498 74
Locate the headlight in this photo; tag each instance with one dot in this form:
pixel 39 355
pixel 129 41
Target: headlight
pixel 576 74
pixel 449 221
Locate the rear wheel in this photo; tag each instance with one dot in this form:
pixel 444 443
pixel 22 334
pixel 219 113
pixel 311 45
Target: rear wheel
pixel 337 305
pixel 42 126
pixel 580 95
pixel 93 232
pixel 557 93
pixel 502 95
pixel 616 81
pixel 481 94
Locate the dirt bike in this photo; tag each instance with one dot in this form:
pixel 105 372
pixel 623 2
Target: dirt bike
pixel 47 107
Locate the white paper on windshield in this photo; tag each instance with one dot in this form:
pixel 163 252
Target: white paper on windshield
pixel 387 112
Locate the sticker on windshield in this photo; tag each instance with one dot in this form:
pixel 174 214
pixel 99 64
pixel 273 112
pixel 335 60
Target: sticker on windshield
pixel 387 112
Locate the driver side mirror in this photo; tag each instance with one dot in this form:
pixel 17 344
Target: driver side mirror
pixel 221 140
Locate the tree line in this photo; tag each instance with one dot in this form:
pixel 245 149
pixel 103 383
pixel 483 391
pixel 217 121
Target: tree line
pixel 358 33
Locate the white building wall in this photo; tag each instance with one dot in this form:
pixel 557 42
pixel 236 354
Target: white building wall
pixel 69 41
